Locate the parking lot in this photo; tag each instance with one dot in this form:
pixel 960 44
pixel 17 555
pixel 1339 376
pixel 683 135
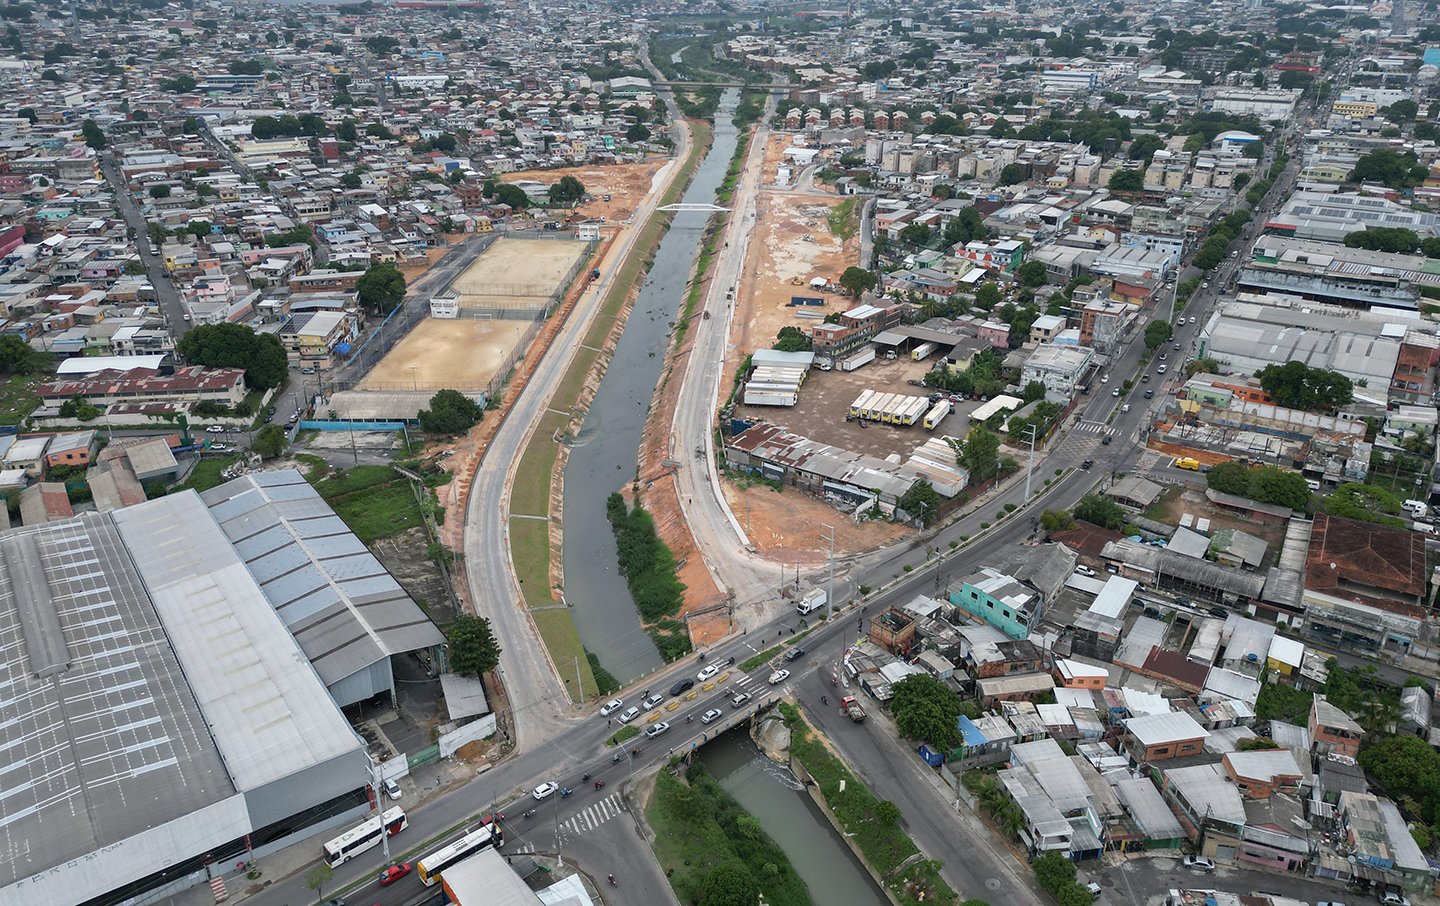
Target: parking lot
pixel 825 400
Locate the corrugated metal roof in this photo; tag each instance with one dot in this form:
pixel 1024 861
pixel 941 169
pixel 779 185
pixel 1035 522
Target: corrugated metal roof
pixel 346 611
pixel 269 719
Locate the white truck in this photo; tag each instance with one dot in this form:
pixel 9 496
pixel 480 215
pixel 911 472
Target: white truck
pixel 811 601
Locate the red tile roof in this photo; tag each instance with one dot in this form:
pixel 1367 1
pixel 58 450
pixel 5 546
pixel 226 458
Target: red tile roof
pixel 146 381
pixel 1367 555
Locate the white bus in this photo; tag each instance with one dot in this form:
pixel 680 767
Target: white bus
pixel 432 865
pixel 358 839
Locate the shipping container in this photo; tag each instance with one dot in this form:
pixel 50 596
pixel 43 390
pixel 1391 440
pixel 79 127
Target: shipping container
pixel 922 352
pixel 936 414
pixel 863 357
pixel 857 408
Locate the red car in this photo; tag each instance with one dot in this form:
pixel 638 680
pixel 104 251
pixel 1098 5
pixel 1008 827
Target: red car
pixel 394 873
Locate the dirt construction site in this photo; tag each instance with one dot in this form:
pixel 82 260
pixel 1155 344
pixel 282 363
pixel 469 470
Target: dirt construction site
pixel 517 273
pixel 626 184
pixel 795 239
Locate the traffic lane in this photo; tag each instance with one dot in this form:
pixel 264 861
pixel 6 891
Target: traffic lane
pixel 895 774
pixel 1135 880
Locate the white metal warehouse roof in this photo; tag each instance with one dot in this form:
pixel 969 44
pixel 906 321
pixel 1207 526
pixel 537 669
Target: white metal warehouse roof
pixel 346 611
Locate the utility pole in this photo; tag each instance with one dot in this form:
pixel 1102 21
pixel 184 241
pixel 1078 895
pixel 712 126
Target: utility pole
pixel 380 809
pixel 830 578
pixel 1030 464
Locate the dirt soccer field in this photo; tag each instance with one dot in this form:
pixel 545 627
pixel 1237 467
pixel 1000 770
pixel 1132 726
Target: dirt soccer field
pixel 463 353
pixel 524 271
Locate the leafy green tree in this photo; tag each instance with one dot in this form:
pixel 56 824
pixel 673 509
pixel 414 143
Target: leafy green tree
pixel 1388 166
pixel 1365 502
pixel 729 884
pixel 350 180
pixel 381 289
pixel 346 131
pixel 180 84
pixel 1384 239
pixel 1053 871
pixel 915 234
pixel 792 339
pixel 269 441
pixel 472 646
pixel 637 132
pixel 1229 477
pixel 450 412
pixel 568 190
pixel 1035 390
pixel 980 454
pixel 921 501
pixel 19 357
pixel 1281 487
pixel 967 226
pixel 1296 385
pixel 160 191
pixel 1031 273
pixel 1157 333
pixel 925 710
pixel 318 877
pixel 233 345
pixel 510 195
pixel 887 812
pixel 94 136
pixel 857 280
pixel 1143 148
pixel 1101 511
pixel 1402 111
pixel 1012 174
pixel 1127 181
pixel 987 296
pixel 78 408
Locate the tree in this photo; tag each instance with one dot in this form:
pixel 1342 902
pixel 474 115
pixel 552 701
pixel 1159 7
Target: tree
pixel 1229 477
pixel 915 234
pixel 1053 871
pixel 269 441
pixel 350 180
pixel 1143 148
pixel 19 357
pixel 513 196
pixel 1366 503
pixel 887 812
pixel 925 710
pixel 1402 111
pixel 967 226
pixel 94 136
pixel 346 131
pixel 472 646
pixel 1296 385
pixel 1387 166
pixel 317 878
pixel 1157 333
pixel 921 501
pixel 161 191
pixel 987 296
pixel 980 454
pixel 180 84
pixel 729 884
pixel 381 289
pixel 1101 511
pixel 637 133
pixel 1035 390
pixel 1127 181
pixel 247 67
pixel 792 339
pixel 78 408
pixel 237 346
pixel 1281 487
pixel 857 280
pixel 450 412
pixel 1031 273
pixel 1384 239
pixel 1012 174
pixel 568 190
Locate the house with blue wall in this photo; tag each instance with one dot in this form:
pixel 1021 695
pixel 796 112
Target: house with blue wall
pixel 1000 600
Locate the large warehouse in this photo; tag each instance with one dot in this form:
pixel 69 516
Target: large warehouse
pixel 159 711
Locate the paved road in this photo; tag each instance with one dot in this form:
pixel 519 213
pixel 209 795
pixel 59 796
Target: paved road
pixel 171 310
pixel 1144 880
pixel 540 702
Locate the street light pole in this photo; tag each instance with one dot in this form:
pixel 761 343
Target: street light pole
pixel 830 578
pixel 1030 464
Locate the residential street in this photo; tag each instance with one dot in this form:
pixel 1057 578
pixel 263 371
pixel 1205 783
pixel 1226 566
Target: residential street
pixel 171 310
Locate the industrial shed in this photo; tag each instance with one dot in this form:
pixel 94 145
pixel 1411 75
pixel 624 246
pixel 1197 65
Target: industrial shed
pixel 347 612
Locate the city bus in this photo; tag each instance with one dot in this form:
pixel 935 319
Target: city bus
pixel 358 839
pixel 430 867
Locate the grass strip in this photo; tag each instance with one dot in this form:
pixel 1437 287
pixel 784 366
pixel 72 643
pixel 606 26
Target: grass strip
pixel 530 552
pixel 700 829
pixel 874 825
pixel 623 734
pixel 206 474
pixel 842 220
pixel 566 650
pixel 754 661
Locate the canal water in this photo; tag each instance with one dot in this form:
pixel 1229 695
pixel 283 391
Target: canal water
pixel 604 456
pixel 779 802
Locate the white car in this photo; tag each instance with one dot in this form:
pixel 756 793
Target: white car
pixel 215 429
pixel 392 789
pixel 651 702
pixel 708 672
pixel 545 789
pixel 629 715
pixel 1084 570
pixel 1192 319
pixel 1163 368
pixel 709 717
pixel 611 707
pixel 655 730
pixel 1199 863
pixel 1394 898
pixel 739 700
pixel 778 677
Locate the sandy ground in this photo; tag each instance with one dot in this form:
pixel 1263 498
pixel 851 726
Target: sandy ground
pixel 626 184
pixel 528 269
pixel 463 352
pixel 791 527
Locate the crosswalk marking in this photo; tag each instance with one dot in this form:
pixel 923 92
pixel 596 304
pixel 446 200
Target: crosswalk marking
pixel 1090 427
pixel 594 815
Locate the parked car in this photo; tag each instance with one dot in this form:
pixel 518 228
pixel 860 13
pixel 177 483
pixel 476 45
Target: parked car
pixel 392 789
pixel 628 715
pixel 794 653
pixel 739 700
pixel 545 789
pixel 708 672
pixel 709 717
pixel 652 701
pixel 1199 863
pixel 215 429
pixel 1094 889
pixel 1084 570
pixel 611 707
pixel 655 730
pixel 1394 898
pixel 394 873
pixel 778 677
pixel 682 686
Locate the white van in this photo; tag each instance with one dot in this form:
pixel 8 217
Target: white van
pixel 1416 508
